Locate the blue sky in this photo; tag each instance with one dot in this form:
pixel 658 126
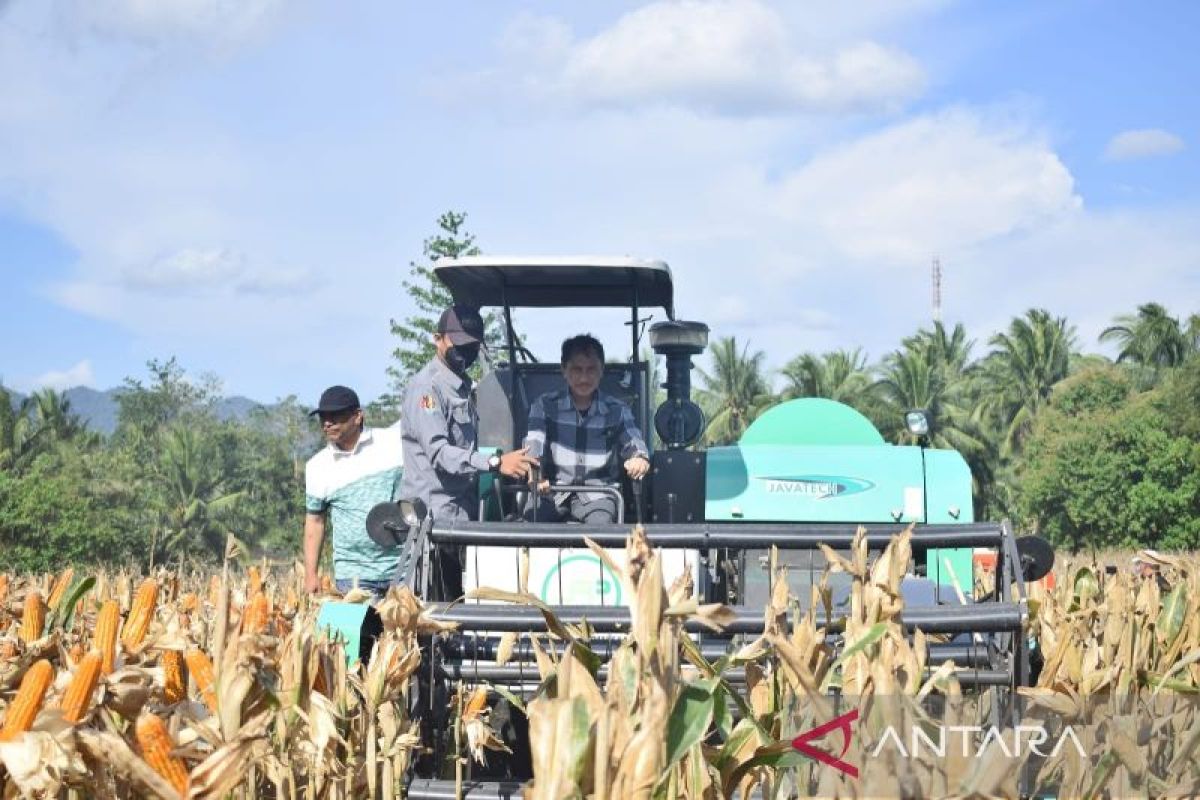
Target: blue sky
pixel 242 185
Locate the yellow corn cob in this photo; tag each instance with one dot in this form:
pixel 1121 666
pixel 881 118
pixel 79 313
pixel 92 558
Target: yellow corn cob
pixel 256 613
pixel 174 676
pixel 78 696
pixel 105 637
pixel 214 589
pixel 201 670
pixel 140 614
pixel 60 587
pixel 3 590
pixel 25 706
pixel 33 618
pixel 254 579
pixel 155 742
pixel 189 602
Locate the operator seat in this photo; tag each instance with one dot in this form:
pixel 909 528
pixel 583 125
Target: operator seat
pixel 504 395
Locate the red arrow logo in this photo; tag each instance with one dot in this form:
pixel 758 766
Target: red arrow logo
pixel 803 742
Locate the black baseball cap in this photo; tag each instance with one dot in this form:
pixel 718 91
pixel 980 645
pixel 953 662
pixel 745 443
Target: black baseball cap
pixel 461 324
pixel 336 398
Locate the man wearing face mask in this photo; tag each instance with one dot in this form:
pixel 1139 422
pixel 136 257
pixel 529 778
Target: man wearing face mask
pixel 442 463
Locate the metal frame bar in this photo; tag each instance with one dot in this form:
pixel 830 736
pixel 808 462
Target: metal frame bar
pixel 702 536
pixel 435 789
pixel 458 648
pixel 521 673
pixel 570 488
pixel 983 618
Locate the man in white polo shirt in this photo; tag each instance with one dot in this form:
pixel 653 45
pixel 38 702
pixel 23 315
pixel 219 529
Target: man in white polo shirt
pixel 359 468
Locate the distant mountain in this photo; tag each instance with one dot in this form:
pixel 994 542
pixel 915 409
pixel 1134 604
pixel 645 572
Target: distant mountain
pixel 98 410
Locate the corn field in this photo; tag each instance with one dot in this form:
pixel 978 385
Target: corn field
pixel 188 685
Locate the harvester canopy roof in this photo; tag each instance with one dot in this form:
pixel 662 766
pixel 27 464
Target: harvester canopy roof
pixel 558 281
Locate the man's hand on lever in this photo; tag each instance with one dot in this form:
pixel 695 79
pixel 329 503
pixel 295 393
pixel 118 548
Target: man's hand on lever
pixel 637 467
pixel 516 463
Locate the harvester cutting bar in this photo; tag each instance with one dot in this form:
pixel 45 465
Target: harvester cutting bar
pixel 484 648
pixel 520 673
pixel 702 536
pixel 980 618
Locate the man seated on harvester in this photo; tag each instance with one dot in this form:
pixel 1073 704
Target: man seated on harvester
pixel 583 437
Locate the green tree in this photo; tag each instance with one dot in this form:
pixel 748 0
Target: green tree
pixel 145 410
pixel 52 414
pixel 18 440
pixel 197 481
pixel 840 375
pixel 916 377
pixel 200 478
pixel 1022 368
pixel 949 351
pixel 430 297
pixel 1101 468
pixel 1179 399
pixel 71 506
pixel 735 393
pixel 1150 338
pixel 37 424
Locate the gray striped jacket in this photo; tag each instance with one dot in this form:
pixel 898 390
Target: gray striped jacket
pixel 582 448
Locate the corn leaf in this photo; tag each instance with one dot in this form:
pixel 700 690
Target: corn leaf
pixel 690 718
pixel 1171 617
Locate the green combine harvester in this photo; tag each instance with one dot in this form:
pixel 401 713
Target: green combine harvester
pixel 807 472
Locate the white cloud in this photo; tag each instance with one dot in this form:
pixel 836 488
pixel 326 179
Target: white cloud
pixel 1143 143
pixel 204 202
pixel 935 183
pixel 218 23
pixel 1122 256
pixel 725 56
pixel 277 283
pixel 189 268
pixel 79 375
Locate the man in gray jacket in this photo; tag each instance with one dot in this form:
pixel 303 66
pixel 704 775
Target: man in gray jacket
pixel 441 460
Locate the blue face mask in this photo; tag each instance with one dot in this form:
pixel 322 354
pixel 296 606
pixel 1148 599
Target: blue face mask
pixel 460 357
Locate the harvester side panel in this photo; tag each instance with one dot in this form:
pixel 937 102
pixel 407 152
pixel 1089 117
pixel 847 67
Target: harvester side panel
pixel 948 501
pixel 815 483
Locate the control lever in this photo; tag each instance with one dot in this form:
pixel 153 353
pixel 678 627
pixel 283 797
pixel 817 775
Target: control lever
pixel 637 500
pixel 535 497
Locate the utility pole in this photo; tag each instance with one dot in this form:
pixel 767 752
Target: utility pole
pixel 936 279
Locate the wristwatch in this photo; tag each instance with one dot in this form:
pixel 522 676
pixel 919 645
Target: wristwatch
pixel 494 462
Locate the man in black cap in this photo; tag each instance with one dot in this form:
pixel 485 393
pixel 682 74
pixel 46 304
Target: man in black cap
pixel 440 432
pixel 359 468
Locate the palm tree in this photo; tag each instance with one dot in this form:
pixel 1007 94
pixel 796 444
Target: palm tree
pixel 1022 368
pixel 950 351
pixel 735 393
pixel 840 375
pixel 52 413
pixel 20 438
pixel 198 491
pixel 917 377
pixel 1151 338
